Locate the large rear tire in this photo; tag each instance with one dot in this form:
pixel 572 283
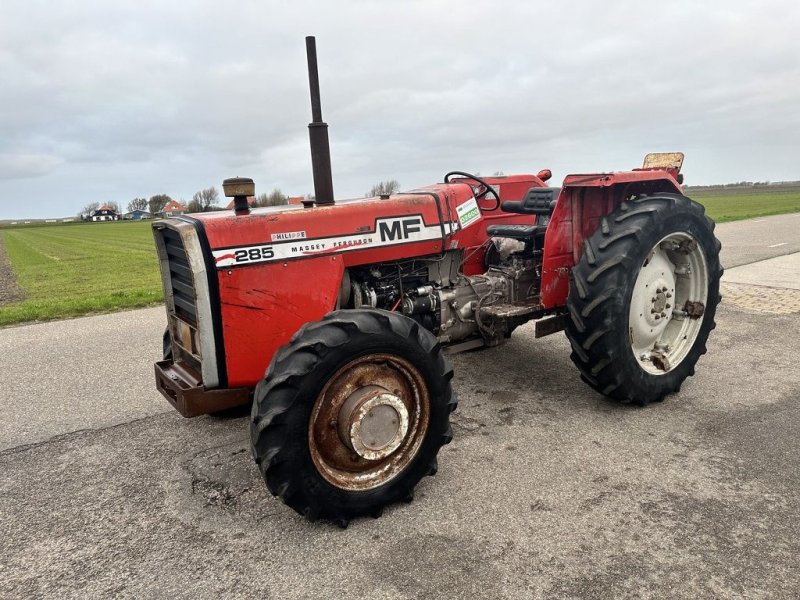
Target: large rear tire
pixel 351 414
pixel 643 298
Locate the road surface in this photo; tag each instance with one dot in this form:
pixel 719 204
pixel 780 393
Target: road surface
pixel 546 491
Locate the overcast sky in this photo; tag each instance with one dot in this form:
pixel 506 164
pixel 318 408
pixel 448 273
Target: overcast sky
pixel 106 101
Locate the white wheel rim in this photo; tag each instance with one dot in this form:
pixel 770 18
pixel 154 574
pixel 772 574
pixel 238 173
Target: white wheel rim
pixel 667 303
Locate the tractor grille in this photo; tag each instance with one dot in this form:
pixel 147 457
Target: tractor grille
pixel 191 297
pixel 180 275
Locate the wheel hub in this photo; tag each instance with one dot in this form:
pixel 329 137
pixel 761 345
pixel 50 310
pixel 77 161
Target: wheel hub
pixel 373 422
pixel 369 421
pixel 659 303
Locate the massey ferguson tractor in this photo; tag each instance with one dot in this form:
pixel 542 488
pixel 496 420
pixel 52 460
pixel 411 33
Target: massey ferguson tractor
pixel 332 319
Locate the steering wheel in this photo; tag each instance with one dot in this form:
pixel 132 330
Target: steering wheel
pixel 486 187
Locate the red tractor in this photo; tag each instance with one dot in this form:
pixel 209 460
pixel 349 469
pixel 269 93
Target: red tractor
pixel 332 318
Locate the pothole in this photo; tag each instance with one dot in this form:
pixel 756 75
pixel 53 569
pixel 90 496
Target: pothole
pixel 226 479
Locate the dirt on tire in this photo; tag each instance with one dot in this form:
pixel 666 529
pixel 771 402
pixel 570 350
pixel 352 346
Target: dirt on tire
pixel 9 290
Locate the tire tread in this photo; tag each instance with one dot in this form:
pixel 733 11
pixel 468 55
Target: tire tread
pixel 277 394
pixel 598 291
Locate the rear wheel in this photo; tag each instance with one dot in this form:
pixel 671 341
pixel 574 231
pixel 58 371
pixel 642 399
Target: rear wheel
pixel 351 414
pixel 643 298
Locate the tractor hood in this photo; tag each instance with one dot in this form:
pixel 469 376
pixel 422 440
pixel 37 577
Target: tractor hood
pixel 277 234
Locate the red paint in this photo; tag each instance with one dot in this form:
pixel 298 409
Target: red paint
pixel 264 304
pixel 583 201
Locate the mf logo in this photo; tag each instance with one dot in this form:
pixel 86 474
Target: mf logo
pixel 399 229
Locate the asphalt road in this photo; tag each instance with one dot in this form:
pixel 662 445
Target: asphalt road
pixel 546 491
pixel 745 242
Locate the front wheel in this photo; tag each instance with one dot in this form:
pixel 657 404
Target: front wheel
pixel 351 414
pixel 643 298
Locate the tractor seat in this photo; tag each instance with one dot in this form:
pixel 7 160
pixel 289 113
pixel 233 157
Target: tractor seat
pixel 516 232
pixel 537 201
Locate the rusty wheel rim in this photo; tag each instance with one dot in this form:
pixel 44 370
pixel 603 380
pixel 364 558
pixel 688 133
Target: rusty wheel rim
pixel 368 422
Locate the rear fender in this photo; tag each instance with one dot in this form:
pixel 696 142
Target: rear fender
pixel 583 201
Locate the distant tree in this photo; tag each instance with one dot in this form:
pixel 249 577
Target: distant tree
pixel 87 210
pixel 204 200
pixel 498 174
pixel 137 204
pixel 383 187
pixel 113 206
pixel 158 202
pixel 274 198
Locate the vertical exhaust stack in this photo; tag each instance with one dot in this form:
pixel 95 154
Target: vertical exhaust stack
pixel 318 133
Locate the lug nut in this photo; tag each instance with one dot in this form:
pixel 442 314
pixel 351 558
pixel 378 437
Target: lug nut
pixel 669 295
pixel 663 314
pixel 668 306
pixel 658 317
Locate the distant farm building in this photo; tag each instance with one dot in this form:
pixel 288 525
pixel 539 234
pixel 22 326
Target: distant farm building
pixel 104 213
pixel 172 209
pixel 137 215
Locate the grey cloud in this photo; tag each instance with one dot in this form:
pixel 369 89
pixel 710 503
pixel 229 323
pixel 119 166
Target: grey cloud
pixel 23 166
pixel 138 98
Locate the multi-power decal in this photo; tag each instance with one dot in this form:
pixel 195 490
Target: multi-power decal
pixel 389 231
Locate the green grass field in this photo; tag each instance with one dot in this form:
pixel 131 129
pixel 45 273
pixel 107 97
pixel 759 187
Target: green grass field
pixel 735 203
pixel 69 270
pixel 73 269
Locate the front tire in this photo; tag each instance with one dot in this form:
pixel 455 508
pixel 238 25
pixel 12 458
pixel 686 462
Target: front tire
pixel 643 298
pixel 351 414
